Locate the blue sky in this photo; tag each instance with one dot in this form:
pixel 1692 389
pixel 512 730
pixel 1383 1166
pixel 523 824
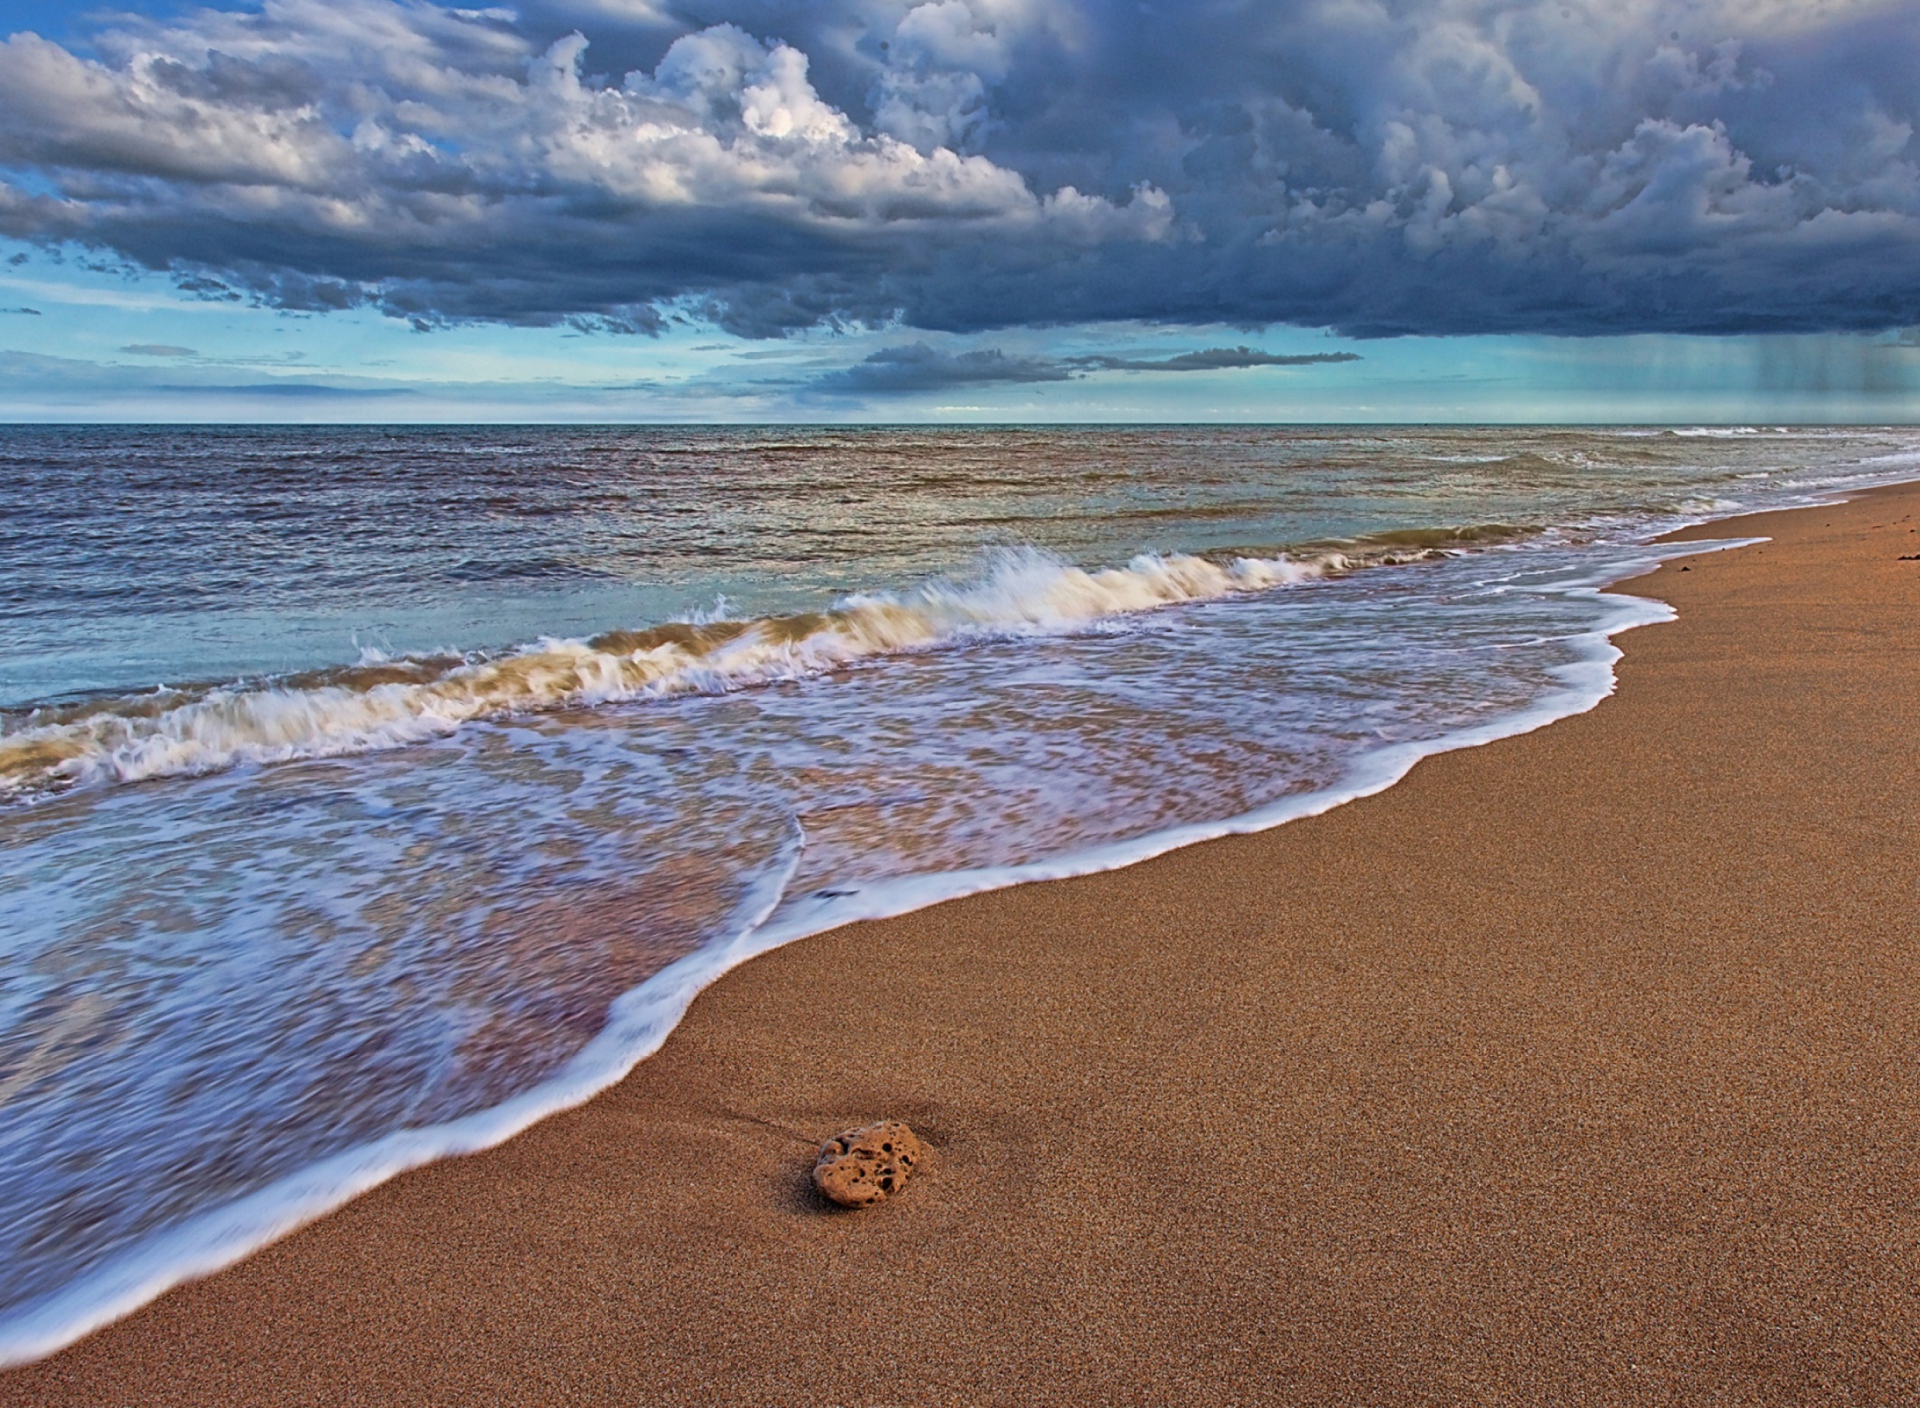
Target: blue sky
pixel 961 210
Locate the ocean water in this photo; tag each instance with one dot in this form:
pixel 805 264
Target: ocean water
pixel 366 794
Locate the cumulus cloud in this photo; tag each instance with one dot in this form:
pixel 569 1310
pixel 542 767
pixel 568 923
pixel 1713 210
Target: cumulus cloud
pixel 1429 166
pixel 437 163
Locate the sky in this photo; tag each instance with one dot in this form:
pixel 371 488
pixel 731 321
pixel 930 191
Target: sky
pixel 1030 210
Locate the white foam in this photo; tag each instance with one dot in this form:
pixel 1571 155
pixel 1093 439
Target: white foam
pixel 640 1020
pixel 1018 591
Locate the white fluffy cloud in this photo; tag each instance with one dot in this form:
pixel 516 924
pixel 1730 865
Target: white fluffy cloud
pixel 417 130
pixel 354 115
pixel 943 60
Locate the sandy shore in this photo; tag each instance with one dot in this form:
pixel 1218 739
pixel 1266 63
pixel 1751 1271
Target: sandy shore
pixel 1580 1068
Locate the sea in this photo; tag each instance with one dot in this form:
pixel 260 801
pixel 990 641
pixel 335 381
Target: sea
pixel 368 793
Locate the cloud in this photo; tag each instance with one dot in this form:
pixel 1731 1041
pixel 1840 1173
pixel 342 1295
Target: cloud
pixel 918 367
pixel 297 391
pixel 23 311
pixel 158 349
pixel 40 375
pixel 1213 359
pixel 1435 166
pixel 436 163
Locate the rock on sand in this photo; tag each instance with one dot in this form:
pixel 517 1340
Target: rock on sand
pixel 866 1165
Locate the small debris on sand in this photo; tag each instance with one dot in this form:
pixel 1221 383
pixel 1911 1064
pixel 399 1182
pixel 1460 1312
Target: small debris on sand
pixel 867 1165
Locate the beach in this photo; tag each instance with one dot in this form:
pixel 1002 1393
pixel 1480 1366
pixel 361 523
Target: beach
pixel 1578 1067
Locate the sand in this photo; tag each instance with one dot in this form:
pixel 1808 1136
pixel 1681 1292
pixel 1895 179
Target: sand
pixel 1579 1068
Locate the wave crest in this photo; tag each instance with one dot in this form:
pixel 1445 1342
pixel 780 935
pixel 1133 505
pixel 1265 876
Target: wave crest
pixel 387 703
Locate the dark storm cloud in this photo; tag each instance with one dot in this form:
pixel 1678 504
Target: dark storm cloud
pixel 1377 166
pixel 919 367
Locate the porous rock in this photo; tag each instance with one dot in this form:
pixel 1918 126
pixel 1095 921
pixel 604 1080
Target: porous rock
pixel 867 1165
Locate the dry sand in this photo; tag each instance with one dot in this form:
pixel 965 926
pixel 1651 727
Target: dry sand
pixel 1581 1068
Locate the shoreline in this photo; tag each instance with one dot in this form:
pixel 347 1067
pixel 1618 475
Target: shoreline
pixel 643 1017
pixel 757 1008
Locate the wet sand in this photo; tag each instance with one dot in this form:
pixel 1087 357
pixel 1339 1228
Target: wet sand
pixel 1579 1068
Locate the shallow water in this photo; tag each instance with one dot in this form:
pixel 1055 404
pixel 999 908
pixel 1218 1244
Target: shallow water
pixel 370 792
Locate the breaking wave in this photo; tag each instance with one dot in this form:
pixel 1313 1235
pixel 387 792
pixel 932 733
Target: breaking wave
pixel 383 702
